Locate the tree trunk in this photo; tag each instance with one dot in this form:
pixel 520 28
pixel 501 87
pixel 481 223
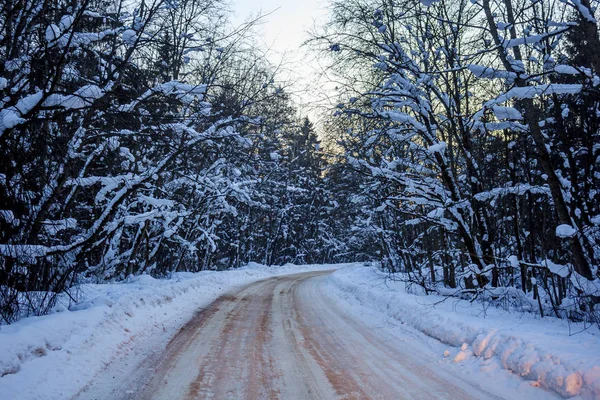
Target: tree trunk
pixel 532 117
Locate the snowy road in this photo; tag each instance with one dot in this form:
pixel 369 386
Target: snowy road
pixel 283 338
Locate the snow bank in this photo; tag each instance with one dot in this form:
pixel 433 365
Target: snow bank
pixel 55 356
pixel 537 350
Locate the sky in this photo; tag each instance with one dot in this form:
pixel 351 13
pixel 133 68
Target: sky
pixel 283 31
pixel 285 26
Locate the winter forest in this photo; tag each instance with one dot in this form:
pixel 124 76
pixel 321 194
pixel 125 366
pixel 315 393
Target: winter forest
pixel 461 149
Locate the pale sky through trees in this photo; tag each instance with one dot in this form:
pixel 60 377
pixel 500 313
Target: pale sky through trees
pixel 283 31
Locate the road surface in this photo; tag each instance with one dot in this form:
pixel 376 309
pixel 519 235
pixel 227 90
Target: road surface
pixel 283 338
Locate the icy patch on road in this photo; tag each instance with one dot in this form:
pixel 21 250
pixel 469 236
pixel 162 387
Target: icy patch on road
pixel 539 350
pixel 55 356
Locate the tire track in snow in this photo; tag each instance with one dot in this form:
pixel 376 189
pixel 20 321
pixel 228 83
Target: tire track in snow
pixel 282 338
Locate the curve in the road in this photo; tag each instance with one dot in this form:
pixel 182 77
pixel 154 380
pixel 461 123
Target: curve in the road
pixel 283 338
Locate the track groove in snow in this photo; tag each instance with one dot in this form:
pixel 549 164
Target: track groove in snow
pixel 283 338
pixel 55 356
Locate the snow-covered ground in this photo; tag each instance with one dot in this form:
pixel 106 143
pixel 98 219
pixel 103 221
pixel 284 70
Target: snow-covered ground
pixel 557 355
pixel 55 356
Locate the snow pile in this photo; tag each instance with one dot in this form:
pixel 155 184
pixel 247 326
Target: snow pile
pixel 52 33
pixel 566 69
pixel 438 147
pixel 55 356
pixel 506 113
pixel 82 98
pixel 491 73
pixel 129 37
pixel 537 350
pixel 565 231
